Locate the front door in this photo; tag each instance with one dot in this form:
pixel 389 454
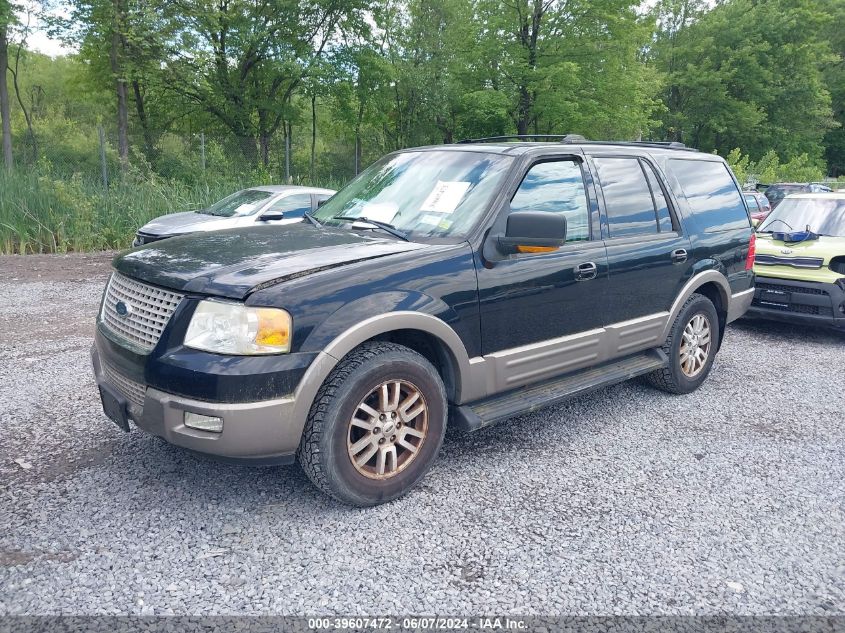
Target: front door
pixel 530 299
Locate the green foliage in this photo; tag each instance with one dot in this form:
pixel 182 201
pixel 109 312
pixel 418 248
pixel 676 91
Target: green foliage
pixel 769 168
pixel 57 214
pixel 747 73
pixel 212 91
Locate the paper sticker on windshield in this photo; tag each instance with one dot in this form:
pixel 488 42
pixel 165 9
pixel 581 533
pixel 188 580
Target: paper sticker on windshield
pixel 380 211
pixel 445 197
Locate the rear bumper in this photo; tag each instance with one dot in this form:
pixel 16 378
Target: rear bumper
pixel 806 302
pixel 255 432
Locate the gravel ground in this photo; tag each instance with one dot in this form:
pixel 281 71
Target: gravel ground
pixel 627 501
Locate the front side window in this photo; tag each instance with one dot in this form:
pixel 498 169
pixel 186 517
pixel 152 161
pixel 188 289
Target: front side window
pixel 429 193
pixel 294 206
pixel 627 197
pixel 556 187
pixel 242 203
pixel 712 194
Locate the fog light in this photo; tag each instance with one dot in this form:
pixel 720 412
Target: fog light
pixel 200 422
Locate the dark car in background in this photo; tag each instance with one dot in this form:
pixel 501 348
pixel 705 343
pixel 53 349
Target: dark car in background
pixel 778 191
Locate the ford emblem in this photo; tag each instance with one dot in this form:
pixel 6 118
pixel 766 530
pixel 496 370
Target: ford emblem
pixel 123 309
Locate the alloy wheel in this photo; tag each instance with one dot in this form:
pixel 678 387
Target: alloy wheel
pixel 695 345
pixel 387 429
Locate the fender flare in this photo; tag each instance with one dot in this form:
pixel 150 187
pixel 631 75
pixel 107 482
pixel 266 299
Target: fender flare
pixel 367 329
pixel 690 287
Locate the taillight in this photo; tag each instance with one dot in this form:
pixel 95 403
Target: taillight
pixel 752 249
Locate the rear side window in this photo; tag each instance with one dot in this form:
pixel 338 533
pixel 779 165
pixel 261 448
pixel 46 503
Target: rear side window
pixel 664 217
pixel 627 197
pixel 714 200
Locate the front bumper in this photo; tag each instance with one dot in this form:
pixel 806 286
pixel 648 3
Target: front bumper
pixel 806 302
pixel 258 432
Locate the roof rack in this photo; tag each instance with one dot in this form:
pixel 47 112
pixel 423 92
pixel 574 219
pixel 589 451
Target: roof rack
pixel 577 138
pixel 563 138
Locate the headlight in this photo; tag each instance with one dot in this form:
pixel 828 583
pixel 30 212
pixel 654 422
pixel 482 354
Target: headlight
pixel 233 328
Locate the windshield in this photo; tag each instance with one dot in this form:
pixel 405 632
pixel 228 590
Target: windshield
pixel 421 193
pixel 825 216
pixel 241 203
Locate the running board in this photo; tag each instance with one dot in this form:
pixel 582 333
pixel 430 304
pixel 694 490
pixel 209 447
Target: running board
pixel 482 413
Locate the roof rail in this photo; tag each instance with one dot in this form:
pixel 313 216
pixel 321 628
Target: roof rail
pixel 577 138
pixel 563 138
pixel 663 144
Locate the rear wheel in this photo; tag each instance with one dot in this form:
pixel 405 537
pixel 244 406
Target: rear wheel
pixel 691 347
pixel 376 425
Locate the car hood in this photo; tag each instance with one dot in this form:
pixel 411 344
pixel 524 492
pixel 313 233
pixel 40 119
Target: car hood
pixel 808 260
pixel 235 262
pixel 185 222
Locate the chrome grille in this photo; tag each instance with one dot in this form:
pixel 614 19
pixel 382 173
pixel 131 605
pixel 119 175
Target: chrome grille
pixel 795 262
pixel 133 391
pixel 150 308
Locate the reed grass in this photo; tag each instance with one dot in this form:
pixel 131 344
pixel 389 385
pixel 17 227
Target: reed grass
pixel 50 214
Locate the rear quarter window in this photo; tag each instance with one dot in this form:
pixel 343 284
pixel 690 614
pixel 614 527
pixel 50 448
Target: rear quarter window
pixel 714 200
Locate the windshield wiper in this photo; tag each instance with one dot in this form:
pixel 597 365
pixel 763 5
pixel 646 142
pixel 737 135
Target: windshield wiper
pixel 384 226
pixel 772 221
pixel 313 220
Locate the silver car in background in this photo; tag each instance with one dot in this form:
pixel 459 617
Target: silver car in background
pixel 270 204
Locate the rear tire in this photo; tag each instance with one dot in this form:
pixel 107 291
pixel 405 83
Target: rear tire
pixel 691 347
pixel 376 425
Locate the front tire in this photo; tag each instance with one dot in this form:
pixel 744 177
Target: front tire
pixel 691 347
pixel 376 425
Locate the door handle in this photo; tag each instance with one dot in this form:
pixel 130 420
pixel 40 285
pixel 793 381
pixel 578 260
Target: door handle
pixel 586 271
pixel 679 256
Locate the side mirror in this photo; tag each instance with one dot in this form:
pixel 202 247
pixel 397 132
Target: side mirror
pixel 269 216
pixel 320 203
pixel 533 232
pixel 755 222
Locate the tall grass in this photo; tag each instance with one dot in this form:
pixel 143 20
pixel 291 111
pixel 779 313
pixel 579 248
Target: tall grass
pixel 51 214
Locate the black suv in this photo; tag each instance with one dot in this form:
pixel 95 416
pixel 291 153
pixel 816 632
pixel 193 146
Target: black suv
pixel 469 283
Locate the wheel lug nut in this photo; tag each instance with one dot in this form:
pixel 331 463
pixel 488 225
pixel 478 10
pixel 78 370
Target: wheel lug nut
pixel 381 417
pixel 398 424
pixel 376 430
pixel 392 438
pixel 381 441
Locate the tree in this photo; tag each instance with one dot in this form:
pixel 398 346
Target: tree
pixel 7 15
pixel 242 61
pixel 746 74
pixel 570 65
pixel 834 140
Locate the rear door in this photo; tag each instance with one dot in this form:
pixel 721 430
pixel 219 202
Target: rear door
pixel 647 253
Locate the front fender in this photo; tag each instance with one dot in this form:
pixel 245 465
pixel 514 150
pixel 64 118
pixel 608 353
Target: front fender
pixel 376 308
pixel 470 383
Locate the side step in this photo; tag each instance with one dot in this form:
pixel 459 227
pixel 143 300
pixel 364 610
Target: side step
pixel 477 415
